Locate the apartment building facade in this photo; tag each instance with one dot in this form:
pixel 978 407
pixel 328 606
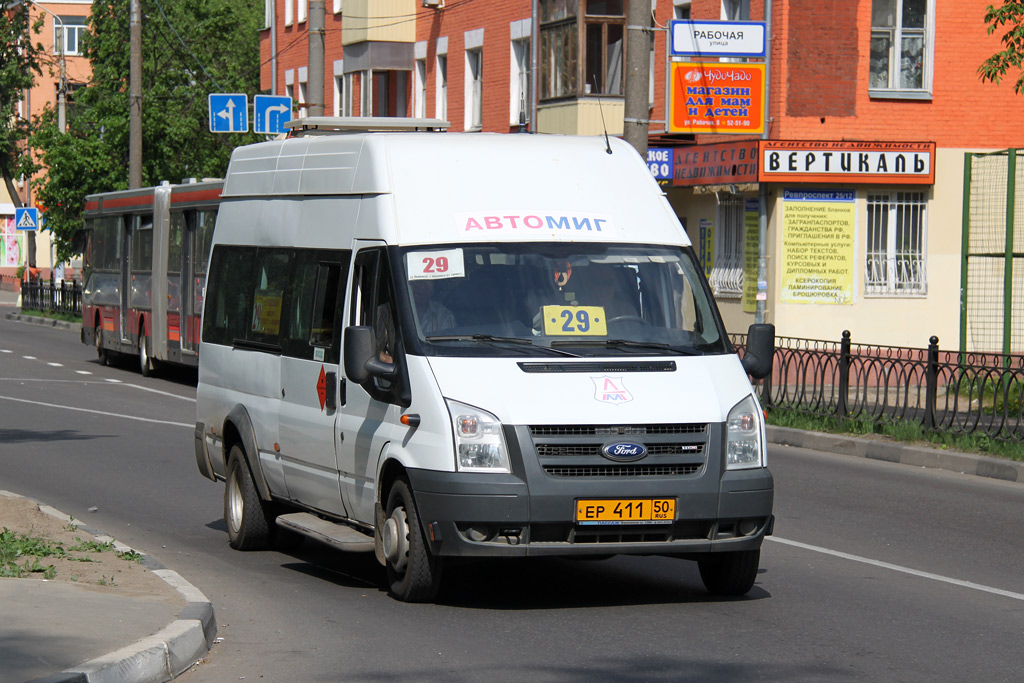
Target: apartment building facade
pixel 858 174
pixel 64 24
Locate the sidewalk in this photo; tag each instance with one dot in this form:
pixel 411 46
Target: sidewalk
pixel 59 631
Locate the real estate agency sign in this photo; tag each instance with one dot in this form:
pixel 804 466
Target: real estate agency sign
pixel 810 161
pixel 716 97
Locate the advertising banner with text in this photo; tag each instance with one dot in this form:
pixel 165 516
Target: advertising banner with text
pixel 818 233
pixel 809 161
pixel 716 97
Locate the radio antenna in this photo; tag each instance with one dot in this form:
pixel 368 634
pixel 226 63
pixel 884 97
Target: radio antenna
pixel 600 107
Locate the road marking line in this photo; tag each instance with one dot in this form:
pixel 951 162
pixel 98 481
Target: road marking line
pixel 98 412
pixel 898 568
pixel 105 382
pixel 56 365
pixel 83 372
pixel 6 351
pixel 29 357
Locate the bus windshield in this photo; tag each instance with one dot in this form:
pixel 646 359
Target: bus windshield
pixel 569 299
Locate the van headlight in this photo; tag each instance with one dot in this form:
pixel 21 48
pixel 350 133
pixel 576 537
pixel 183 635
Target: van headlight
pixel 479 443
pixel 743 446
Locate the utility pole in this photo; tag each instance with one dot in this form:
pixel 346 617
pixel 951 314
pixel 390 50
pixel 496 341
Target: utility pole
pixel 315 107
pixel 636 120
pixel 135 95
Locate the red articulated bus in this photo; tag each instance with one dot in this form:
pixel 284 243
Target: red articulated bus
pixel 146 255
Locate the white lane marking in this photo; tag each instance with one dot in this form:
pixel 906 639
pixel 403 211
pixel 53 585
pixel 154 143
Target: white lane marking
pixel 113 381
pixel 29 357
pixel 22 380
pixel 98 412
pixel 6 351
pixel 83 372
pixel 898 568
pixel 56 365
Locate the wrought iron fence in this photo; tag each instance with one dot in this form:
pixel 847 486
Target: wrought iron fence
pixel 947 391
pixel 52 297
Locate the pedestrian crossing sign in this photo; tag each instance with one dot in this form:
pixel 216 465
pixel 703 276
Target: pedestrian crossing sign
pixel 26 218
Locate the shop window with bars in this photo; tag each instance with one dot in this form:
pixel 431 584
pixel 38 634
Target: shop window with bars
pixel 895 256
pixel 727 269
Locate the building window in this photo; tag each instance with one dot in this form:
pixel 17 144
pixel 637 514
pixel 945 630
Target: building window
pixel 605 28
pixel 600 67
pixel 288 18
pixel 897 224
pixel 68 36
pixel 388 93
pixel 419 103
pixel 474 89
pixel 303 10
pixel 900 42
pixel 519 97
pixel 442 87
pixel 682 9
pixel 268 13
pixel 303 97
pixel 736 10
pixel 727 270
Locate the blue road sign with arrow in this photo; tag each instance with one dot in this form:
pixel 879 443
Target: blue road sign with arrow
pixel 26 218
pixel 270 113
pixel 229 112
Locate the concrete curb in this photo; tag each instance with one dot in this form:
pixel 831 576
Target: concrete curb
pixel 905 454
pixel 160 657
pixel 47 322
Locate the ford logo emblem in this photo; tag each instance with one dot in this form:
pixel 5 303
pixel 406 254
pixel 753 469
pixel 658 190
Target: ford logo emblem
pixel 624 452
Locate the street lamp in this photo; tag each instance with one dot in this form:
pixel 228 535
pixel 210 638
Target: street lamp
pixel 62 86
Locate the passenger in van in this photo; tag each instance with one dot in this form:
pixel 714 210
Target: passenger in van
pixel 431 314
pixel 384 331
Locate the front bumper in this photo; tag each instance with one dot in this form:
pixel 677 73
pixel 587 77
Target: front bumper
pixel 530 512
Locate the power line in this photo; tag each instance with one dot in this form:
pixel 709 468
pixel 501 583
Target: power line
pixel 187 49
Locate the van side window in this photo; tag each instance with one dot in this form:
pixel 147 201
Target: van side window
pixel 313 299
pixel 268 299
pixel 373 304
pixel 229 294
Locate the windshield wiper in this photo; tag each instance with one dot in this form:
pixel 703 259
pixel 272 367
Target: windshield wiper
pixel 627 343
pixel 492 339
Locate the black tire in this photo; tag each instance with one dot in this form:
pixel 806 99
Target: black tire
pixel 414 575
pixel 145 360
pixel 101 353
pixel 244 512
pixel 730 573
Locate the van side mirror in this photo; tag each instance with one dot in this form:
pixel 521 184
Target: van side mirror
pixel 361 362
pixel 359 345
pixel 760 351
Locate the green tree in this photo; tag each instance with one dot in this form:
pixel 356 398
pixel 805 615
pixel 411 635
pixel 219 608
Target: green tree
pixel 190 48
pixel 1010 15
pixel 19 62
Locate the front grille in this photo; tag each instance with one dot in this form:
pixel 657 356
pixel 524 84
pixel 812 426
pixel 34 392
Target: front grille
pixel 554 450
pixel 622 470
pixel 616 430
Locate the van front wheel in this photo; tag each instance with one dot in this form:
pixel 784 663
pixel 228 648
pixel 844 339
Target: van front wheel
pixel 414 575
pixel 731 573
pixel 248 527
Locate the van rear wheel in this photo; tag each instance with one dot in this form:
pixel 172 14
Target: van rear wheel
pixel 244 514
pixel 414 575
pixel 731 573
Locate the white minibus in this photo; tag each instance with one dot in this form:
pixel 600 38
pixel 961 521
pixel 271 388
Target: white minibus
pixel 434 345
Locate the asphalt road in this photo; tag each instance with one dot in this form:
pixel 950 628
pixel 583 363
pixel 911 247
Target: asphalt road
pixel 877 571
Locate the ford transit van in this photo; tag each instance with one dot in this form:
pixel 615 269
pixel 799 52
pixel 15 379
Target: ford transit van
pixel 434 345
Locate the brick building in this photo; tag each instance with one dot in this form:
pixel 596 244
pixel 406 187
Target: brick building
pixel 859 174
pixel 64 23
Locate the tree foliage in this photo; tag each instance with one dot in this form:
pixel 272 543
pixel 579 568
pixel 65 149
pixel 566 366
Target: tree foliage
pixel 190 48
pixel 19 62
pixel 1009 16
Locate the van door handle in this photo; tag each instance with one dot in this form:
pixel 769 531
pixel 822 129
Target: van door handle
pixel 331 381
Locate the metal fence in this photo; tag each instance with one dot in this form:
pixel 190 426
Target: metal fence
pixel 945 391
pixel 52 297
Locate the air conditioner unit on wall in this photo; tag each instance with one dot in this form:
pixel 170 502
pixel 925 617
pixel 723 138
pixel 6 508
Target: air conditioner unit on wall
pixel 436 4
